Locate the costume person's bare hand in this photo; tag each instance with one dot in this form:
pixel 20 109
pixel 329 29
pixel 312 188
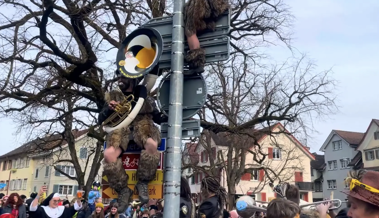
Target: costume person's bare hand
pixel 113 104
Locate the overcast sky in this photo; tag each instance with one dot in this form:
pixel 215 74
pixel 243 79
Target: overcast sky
pixel 341 34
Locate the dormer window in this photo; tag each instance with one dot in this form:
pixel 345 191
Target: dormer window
pixel 337 145
pixel 376 135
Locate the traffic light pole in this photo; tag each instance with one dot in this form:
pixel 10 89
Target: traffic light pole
pixel 173 156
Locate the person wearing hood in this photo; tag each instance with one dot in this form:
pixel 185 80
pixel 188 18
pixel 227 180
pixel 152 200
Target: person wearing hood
pixel 49 207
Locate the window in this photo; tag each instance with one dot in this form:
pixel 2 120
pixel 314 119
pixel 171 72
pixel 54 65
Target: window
pixel 276 153
pixel 311 171
pixel 19 184
pixel 47 171
pixel 36 174
pixel 254 175
pixel 318 187
pixel 204 157
pixel 68 170
pixel 369 155
pixel 193 180
pixel 10 164
pixel 83 153
pixel 4 165
pixel 332 184
pixel 24 184
pixel 35 188
pixel 13 184
pixel 65 189
pixel 22 165
pixel 27 162
pixel 377 154
pixel 189 170
pixel 344 163
pixel 376 135
pixel 337 145
pixel 332 165
pixel 14 164
pixel 17 164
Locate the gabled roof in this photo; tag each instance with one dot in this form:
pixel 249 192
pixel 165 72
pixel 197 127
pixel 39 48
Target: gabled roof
pixel 373 121
pixel 319 162
pixel 39 144
pixel 352 138
pixel 356 159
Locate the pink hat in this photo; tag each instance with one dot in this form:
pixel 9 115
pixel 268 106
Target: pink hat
pixel 233 214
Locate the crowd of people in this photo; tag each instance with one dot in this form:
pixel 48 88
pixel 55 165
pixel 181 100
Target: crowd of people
pixel 363 198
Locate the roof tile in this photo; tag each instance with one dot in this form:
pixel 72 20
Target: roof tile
pixel 353 138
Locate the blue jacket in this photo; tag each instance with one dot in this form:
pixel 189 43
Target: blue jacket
pixel 92 195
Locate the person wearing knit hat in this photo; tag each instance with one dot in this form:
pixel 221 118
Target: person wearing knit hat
pixel 101 205
pixel 98 212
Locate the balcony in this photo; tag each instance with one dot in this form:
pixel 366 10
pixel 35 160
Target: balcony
pixel 305 186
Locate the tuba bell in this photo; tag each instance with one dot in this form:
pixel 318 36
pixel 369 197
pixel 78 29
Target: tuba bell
pixel 137 56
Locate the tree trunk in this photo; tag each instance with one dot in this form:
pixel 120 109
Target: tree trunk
pixel 231 195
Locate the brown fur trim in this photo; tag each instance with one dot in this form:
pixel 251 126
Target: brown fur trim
pixel 196 58
pixel 144 128
pixel 118 138
pixel 195 12
pixel 118 180
pixel 147 166
pixel 200 15
pixel 218 7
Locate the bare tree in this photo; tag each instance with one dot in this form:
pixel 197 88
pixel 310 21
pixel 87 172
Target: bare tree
pixel 53 51
pixel 240 158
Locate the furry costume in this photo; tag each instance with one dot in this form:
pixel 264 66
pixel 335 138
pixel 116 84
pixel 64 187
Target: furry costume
pixel 139 131
pixel 200 15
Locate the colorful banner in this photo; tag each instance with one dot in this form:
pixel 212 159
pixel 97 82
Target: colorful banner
pixel 130 161
pixel 155 192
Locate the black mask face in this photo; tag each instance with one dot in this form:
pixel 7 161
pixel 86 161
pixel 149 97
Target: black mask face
pixel 123 82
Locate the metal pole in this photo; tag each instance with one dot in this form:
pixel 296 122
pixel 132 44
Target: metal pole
pixel 173 159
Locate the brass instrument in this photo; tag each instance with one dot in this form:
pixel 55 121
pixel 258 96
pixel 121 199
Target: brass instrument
pixel 121 112
pixel 336 204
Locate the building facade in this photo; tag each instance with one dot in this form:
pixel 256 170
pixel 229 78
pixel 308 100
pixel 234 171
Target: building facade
pixel 317 170
pixel 339 149
pixel 369 148
pixel 29 170
pixel 285 155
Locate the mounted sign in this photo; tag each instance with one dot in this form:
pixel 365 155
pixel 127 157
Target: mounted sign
pixel 130 161
pixel 194 95
pixel 216 43
pixel 155 192
pixel 190 128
